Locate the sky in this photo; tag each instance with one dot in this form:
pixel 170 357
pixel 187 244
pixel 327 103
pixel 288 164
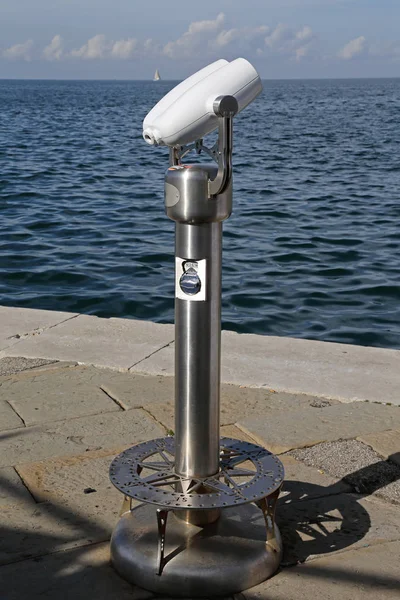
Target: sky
pixel 129 39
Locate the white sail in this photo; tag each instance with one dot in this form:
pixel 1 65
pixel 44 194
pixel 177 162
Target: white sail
pixel 157 75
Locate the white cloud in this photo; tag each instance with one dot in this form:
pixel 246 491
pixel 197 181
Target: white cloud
pixel 286 41
pixel 301 52
pixel 206 26
pixel 195 39
pixel 304 34
pixel 99 47
pixel 227 37
pixel 304 40
pixel 209 37
pixel 96 47
pixel 277 36
pixel 353 48
pixel 246 37
pixel 19 51
pixel 124 48
pixel 151 47
pixel 54 50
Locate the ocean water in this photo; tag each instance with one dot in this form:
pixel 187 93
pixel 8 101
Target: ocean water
pixel 311 250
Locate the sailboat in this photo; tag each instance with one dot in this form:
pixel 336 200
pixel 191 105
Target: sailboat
pixel 157 75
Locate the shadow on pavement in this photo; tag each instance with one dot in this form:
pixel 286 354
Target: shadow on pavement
pixel 317 520
pixel 314 520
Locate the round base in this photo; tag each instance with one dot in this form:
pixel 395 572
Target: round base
pixel 220 559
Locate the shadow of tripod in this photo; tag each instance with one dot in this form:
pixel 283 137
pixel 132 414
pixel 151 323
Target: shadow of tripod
pixel 318 520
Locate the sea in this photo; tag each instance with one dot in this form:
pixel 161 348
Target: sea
pixel 312 249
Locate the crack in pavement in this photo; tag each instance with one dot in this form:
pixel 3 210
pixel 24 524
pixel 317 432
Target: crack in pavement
pixel 37 331
pixel 151 354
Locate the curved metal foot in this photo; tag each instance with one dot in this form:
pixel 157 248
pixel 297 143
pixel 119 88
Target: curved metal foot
pixel 162 516
pixel 268 507
pixel 126 505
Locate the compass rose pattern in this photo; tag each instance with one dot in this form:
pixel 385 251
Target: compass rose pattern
pixel 146 472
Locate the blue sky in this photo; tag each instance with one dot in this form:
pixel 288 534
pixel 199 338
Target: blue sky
pixel 129 39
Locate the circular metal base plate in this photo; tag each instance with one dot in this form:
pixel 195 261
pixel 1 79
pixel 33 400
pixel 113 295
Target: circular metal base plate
pixel 223 558
pixel 146 472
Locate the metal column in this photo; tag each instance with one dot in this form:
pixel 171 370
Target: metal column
pixel 197 356
pixel 198 251
pixel 221 537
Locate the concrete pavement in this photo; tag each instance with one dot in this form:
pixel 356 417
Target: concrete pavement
pixel 339 371
pixel 341 539
pixel 61 423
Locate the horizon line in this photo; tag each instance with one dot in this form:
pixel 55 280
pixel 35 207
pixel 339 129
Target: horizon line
pixel 180 79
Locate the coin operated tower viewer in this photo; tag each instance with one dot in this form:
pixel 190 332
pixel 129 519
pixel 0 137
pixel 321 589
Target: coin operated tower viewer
pixel 206 522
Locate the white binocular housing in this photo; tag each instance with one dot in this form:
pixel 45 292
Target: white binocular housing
pixel 187 112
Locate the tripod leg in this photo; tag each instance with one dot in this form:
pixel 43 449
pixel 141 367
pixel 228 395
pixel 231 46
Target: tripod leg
pixel 162 527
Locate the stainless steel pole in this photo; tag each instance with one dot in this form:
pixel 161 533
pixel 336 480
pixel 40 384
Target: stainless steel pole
pixel 198 251
pixel 197 356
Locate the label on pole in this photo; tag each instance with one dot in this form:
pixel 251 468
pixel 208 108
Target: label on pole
pixel 190 279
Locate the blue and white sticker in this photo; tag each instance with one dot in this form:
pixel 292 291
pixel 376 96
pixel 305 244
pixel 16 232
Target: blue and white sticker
pixel 190 279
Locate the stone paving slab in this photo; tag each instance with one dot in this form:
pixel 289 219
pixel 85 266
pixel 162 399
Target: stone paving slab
pixel 79 482
pixel 115 343
pixel 134 390
pixel 163 412
pixel 80 574
pixel 75 436
pixel 8 417
pixel 129 390
pixel 333 524
pixel 45 528
pixel 17 323
pixel 76 505
pixel 234 432
pixel 341 371
pixel 55 395
pixel 281 432
pixel 366 574
pixel 358 465
pixel 12 490
pixel 324 369
pixel 246 402
pixel 319 518
pixel 160 363
pixel 385 443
